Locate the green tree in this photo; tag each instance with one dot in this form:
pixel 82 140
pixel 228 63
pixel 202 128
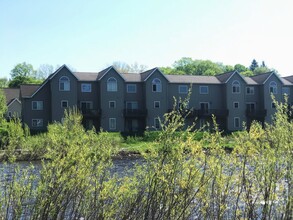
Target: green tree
pixel 44 71
pixel 3 82
pixel 260 70
pixel 3 106
pixel 23 73
pixel 253 65
pixel 240 68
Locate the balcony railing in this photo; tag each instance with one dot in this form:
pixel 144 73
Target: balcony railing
pixel 210 112
pixel 94 113
pixel 256 113
pixel 134 113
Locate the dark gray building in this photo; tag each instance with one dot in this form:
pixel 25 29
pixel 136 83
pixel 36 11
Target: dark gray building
pixel 130 102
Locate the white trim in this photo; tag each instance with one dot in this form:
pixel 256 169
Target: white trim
pixel 112 102
pixel 37 109
pixel 15 99
pixel 274 87
pixel 156 119
pixel 115 123
pixel 203 93
pixel 86 102
pixel 234 74
pixel 115 89
pixel 204 103
pixel 109 68
pixel 251 89
pixel 132 102
pixel 158 85
pixel 273 73
pixel 131 84
pixel 62 102
pixel 67 82
pixel 239 86
pixel 157 102
pixel 154 70
pixel 83 84
pixel 49 78
pixel 41 120
pixel 234 120
pixel 234 105
pixel 185 86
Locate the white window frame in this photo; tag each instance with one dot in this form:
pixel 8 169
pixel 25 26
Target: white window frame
pixel 64 80
pixel 112 85
pixel 86 87
pixel 236 85
pixel 273 105
pixel 156 85
pixel 112 121
pixel 239 122
pixel 273 87
pixel 37 122
pixel 39 105
pixel 203 92
pixel 249 90
pixel 112 102
pixel 234 105
pixel 157 123
pixel 182 89
pixel 64 101
pixel 158 103
pixel 129 86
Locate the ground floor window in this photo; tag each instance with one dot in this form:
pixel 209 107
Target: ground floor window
pixel 37 123
pixel 157 123
pixel 112 123
pixel 237 122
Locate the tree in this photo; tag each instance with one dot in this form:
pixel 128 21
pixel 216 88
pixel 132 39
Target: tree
pixel 3 82
pixel 260 70
pixel 240 68
pixel 44 71
pixel 3 106
pixel 23 73
pixel 123 67
pixel 253 65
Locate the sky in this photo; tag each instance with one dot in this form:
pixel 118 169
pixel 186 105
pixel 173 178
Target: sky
pixel 90 35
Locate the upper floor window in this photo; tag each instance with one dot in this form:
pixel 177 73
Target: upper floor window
pixel 236 104
pixel 131 88
pixel 112 85
pixel 86 105
pixel 64 84
pixel 156 104
pixel 249 90
pixel 183 89
pixel 157 85
pixel 86 87
pixel 37 105
pixel 273 87
pixel 204 90
pixel 235 87
pixel 286 91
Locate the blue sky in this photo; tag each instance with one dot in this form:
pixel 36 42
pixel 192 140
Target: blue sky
pixel 90 35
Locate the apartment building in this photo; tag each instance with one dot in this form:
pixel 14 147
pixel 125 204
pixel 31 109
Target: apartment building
pixel 132 102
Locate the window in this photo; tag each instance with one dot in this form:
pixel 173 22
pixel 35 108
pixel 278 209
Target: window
pixel 112 123
pixel 64 104
pixel 157 123
pixel 273 105
pixel 156 104
pixel 131 88
pixel 131 105
pixel 86 105
pixel 112 104
pixel 183 89
pixel 86 87
pixel 64 84
pixel 235 87
pixel 156 85
pixel 249 90
pixel 10 114
pixel 236 104
pixel 112 85
pixel 37 105
pixel 286 91
pixel 204 90
pixel 237 122
pixel 37 123
pixel 273 87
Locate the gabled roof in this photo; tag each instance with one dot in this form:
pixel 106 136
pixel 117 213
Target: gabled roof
pixel 261 78
pixel 224 77
pixel 193 79
pixel 131 77
pixel 286 82
pixel 105 71
pixel 289 78
pixel 145 75
pixel 14 100
pixel 27 90
pixel 86 76
pixel 11 94
pixel 250 81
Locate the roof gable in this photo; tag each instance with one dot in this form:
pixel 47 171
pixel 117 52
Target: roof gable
pixel 14 100
pixel 107 70
pixel 147 74
pixel 289 78
pixel 225 77
pixel 11 94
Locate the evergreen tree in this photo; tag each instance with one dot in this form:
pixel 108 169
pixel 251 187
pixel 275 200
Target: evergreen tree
pixel 253 65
